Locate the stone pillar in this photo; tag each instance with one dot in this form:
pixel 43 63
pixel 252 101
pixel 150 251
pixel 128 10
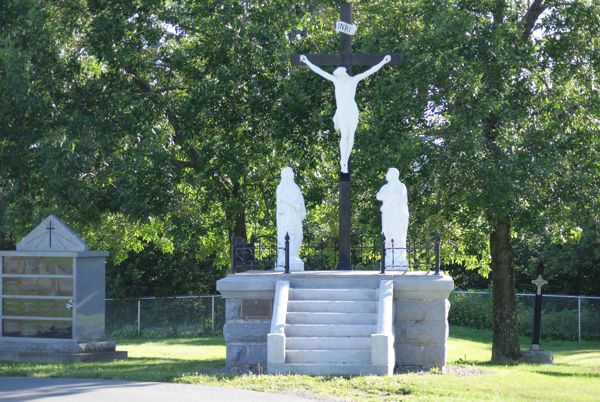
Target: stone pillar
pixel 246 332
pixel 246 339
pixel 421 322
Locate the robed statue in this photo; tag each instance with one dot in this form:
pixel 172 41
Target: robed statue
pixel 290 214
pixel 394 220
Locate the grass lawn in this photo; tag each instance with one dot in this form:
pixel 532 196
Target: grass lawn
pixel 575 376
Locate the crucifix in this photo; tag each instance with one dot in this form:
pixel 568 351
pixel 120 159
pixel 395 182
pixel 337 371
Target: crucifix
pixel 537 312
pixel 346 116
pixel 50 228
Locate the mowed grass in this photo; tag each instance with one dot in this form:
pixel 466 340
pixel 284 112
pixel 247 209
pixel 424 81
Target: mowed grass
pixel 575 376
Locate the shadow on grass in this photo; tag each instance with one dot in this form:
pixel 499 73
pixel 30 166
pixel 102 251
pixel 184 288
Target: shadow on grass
pixel 570 374
pixel 140 369
pixel 216 340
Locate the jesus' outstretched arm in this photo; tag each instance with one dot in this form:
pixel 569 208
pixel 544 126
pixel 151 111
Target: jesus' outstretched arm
pixel 373 69
pixel 316 69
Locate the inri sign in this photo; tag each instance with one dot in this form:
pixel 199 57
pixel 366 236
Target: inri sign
pixel 344 27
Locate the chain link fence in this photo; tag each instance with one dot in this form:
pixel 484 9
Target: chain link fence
pixel 165 316
pixel 563 317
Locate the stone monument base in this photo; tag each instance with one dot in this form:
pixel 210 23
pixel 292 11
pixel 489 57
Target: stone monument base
pixel 336 322
pixel 59 351
pixel 538 357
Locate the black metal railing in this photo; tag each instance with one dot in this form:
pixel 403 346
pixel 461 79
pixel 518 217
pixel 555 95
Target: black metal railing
pixel 418 258
pixel 260 253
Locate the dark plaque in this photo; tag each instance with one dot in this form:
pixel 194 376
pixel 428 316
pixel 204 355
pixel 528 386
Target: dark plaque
pixel 256 308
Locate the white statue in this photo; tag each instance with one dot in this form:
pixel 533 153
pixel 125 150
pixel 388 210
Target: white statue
pixel 290 214
pixel 394 220
pixel 345 119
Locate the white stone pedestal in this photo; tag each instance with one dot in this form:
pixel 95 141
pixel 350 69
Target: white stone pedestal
pixel 420 312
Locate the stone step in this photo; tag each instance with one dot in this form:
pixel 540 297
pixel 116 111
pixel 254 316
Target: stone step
pixel 328 330
pixel 327 369
pixel 338 356
pixel 333 294
pixel 335 281
pixel 330 318
pixel 324 343
pixel 332 306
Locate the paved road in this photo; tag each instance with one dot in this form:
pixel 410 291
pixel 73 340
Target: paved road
pixel 18 389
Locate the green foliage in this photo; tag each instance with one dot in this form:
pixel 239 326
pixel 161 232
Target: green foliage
pixel 471 310
pixel 157 128
pixel 570 266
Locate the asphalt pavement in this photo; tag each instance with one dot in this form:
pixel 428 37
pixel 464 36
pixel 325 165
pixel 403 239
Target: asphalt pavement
pixel 20 389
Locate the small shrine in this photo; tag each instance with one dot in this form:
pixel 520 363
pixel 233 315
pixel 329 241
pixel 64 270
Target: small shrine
pixel 52 298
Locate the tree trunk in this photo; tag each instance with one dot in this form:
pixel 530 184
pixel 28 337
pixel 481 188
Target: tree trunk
pixel 238 232
pixel 240 226
pixel 505 339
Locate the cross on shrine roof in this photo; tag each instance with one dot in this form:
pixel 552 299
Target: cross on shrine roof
pixel 52 234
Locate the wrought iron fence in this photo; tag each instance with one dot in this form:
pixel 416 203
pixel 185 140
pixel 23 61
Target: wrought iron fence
pixel 165 316
pixel 564 317
pixel 320 253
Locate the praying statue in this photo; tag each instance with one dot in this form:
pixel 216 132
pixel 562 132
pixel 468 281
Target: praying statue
pixel 394 220
pixel 290 214
pixel 345 119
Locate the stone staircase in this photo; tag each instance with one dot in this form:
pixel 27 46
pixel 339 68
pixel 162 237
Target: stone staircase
pixel 328 329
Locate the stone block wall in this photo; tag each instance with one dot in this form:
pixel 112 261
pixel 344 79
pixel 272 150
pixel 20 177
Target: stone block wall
pixel 421 331
pixel 246 339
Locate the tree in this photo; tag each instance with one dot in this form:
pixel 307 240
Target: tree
pixel 31 73
pixel 159 127
pixel 155 125
pixel 511 101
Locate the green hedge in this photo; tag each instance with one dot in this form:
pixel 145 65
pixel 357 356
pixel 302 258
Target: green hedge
pixel 471 310
pixel 559 315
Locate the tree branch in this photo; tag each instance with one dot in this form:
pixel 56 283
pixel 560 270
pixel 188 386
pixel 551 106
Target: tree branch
pixel 498 12
pixel 145 88
pixel 532 15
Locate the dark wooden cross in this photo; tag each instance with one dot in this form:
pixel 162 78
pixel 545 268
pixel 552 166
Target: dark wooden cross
pixel 50 228
pixel 345 59
pixel 537 312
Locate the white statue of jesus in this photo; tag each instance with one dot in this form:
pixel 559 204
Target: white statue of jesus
pixel 394 220
pixel 290 214
pixel 345 119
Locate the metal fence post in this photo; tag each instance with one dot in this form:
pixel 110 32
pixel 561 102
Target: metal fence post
pixel 382 253
pixel 287 253
pixel 213 314
pixel 232 247
pixel 139 314
pixel 393 256
pixel 578 318
pixel 436 238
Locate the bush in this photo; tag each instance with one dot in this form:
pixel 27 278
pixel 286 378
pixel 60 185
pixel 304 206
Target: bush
pixel 473 310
